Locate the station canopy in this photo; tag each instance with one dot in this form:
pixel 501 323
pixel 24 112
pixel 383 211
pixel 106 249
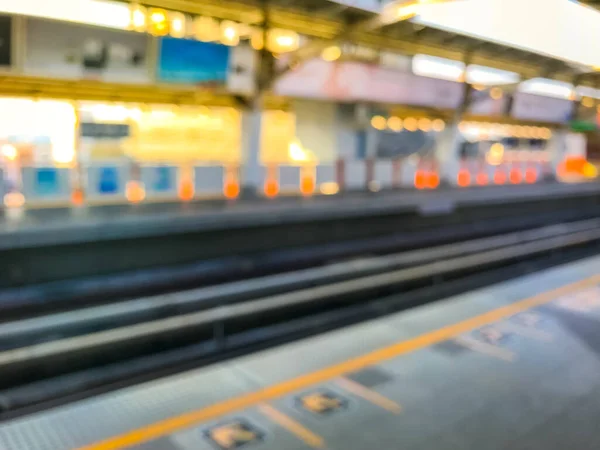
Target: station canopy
pixel 557 39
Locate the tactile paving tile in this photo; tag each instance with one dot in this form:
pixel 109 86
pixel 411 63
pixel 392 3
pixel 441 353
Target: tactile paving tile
pixel 93 420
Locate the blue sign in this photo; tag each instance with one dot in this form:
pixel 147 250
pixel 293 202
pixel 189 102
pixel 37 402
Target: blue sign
pixel 46 182
pixel 163 179
pixel 108 181
pixel 190 61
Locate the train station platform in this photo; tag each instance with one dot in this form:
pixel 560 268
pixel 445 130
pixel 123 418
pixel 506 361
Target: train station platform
pixel 19 229
pixel 511 366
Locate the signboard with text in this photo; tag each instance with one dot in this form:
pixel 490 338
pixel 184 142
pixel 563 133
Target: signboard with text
pixel 66 50
pixel 350 81
pixel 543 109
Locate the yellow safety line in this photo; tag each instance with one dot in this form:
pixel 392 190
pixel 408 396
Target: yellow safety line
pixel 370 395
pixel 292 426
pixel 173 424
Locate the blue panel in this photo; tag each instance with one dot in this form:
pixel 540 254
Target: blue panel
pixel 108 180
pixel 189 61
pixel 46 182
pixel 163 179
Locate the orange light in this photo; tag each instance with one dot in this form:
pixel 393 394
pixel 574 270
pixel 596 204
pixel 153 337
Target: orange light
pixel 271 188
pixel 77 197
pixel 500 177
pixel 14 200
pixel 186 190
pixel 231 190
pixel 433 181
pixel 330 188
pixel 307 185
pixel 482 179
pixel 135 192
pixel 515 176
pixel 531 175
pixel 464 178
pixel 420 179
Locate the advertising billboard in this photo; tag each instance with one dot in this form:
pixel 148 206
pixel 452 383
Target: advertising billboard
pixel 351 81
pixel 206 64
pixel 65 50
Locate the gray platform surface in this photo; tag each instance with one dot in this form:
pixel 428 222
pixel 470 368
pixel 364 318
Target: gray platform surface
pixel 55 226
pixel 511 366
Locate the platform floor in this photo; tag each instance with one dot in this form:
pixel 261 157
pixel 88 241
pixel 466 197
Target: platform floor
pixel 512 366
pixel 71 225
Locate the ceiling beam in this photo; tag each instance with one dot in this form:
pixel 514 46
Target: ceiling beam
pixel 325 28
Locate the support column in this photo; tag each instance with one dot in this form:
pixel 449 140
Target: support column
pixel 251 141
pixel 447 150
pixel 252 117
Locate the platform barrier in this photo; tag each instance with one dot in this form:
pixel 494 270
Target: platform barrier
pixel 384 176
pixel 354 175
pixel 107 182
pixel 160 182
pixel 326 179
pixel 209 181
pixel 49 186
pixel 289 179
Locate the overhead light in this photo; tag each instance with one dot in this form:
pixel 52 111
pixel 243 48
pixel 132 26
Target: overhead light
pixel 137 21
pixel 438 125
pixel 332 53
pixel 282 41
pixel 206 29
pixel 102 13
pixel 399 10
pixel 257 39
pixel 229 33
pixel 178 25
pixel 394 123
pixel 587 102
pixel 425 124
pixel 489 76
pixel 434 67
pixel 378 122
pixel 411 124
pixel 159 22
pixel 9 151
pixel 550 88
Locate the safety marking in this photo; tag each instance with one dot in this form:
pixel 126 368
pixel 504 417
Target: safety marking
pixel 583 302
pixel 370 395
pixel 492 335
pixel 483 347
pixel 321 402
pixel 293 426
pixel 528 320
pixel 168 426
pixel 527 327
pixel 235 433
